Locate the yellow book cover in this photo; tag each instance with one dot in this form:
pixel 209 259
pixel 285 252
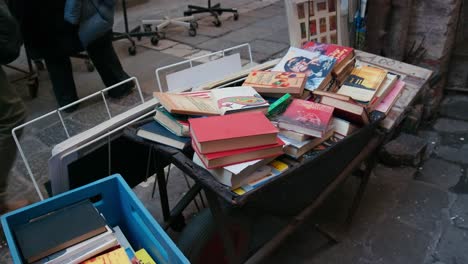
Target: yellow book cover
pixel 144 257
pixel 279 165
pixel 363 83
pixel 117 256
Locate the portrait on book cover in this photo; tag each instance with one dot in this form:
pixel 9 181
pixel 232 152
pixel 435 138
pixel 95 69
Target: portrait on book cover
pixel 316 68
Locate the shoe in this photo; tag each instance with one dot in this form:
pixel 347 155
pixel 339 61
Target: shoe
pixel 121 91
pixel 7 207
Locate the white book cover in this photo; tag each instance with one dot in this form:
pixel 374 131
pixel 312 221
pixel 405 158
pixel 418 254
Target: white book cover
pixel 315 65
pixel 241 98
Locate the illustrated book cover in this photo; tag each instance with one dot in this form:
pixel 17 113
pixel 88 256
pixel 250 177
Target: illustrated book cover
pixel 238 99
pixel 276 82
pixel 363 83
pixel 306 117
pixel 316 66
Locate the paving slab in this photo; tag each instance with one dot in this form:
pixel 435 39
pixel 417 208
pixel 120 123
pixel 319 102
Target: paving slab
pixel 432 139
pixel 396 242
pixel 446 125
pixel 455 106
pixel 453 154
pixel 281 36
pixel 452 246
pixel 459 212
pixel 245 35
pixel 442 174
pixel 267 47
pixel 421 207
pixel 216 44
pixel 406 149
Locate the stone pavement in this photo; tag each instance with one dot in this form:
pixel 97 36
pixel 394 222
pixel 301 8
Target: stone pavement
pixel 408 215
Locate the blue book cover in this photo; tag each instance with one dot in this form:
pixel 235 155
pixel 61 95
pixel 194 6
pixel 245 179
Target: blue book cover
pixel 156 132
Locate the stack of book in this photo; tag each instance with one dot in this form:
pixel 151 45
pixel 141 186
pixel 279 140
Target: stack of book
pixel 74 234
pixel 220 141
pixel 344 58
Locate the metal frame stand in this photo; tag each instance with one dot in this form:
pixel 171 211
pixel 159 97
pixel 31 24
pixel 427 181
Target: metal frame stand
pixel 135 32
pixel 215 10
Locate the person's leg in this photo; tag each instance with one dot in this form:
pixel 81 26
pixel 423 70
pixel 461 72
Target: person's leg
pixel 61 76
pixel 12 114
pixel 108 65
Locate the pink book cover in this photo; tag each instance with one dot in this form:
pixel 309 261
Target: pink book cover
pixel 390 99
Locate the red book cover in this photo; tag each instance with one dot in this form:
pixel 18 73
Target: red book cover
pixel 226 158
pixel 331 50
pixel 307 117
pixel 231 126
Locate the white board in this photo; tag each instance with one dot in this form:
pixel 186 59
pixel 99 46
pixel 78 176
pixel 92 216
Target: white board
pixel 204 73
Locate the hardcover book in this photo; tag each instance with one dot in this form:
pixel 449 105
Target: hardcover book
pixel 229 132
pixel 306 117
pixel 347 110
pixel 316 66
pixel 177 124
pixel 276 82
pixel 225 158
pixel 388 102
pixel 296 149
pixel 59 230
pixel 239 174
pixel 238 99
pixel 156 132
pixel 384 90
pixel 363 83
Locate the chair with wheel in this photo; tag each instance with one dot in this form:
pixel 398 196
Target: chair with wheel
pixel 215 10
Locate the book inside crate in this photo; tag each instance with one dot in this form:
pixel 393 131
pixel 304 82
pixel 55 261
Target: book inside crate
pixel 311 99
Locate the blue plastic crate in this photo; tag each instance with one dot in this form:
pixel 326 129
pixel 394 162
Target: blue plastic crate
pixel 119 205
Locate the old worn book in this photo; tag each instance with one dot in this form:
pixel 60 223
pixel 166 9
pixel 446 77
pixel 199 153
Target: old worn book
pixel 230 157
pixel 175 123
pixel 277 168
pixel 296 149
pixel 239 174
pixel 272 82
pixel 342 127
pixel 59 230
pixel 383 91
pixel 306 117
pixel 316 66
pixel 363 83
pixel 294 135
pixel 347 110
pixel 229 132
pixel 387 103
pixel 156 132
pixel 187 105
pixel 238 99
pixel 333 95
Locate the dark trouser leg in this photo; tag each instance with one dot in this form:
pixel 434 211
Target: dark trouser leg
pixel 105 59
pixel 61 76
pixel 12 114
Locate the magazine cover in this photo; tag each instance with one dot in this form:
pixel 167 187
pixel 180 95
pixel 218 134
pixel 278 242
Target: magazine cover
pixel 315 65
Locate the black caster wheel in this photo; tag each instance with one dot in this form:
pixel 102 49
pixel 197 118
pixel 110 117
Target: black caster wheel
pixel 89 66
pixel 132 50
pixel 147 28
pixel 154 40
pixel 236 16
pixel 194 24
pixel 192 32
pixel 217 23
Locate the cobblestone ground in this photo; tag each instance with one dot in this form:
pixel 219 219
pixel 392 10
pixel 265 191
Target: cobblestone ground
pixel 408 215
